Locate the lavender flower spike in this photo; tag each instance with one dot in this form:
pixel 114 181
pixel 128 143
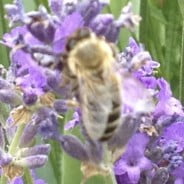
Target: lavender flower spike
pixel 89 9
pixel 15 12
pixel 56 7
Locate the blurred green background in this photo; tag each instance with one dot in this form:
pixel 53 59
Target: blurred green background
pixel 161 31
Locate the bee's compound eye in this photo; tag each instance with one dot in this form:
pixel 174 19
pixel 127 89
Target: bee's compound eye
pixel 71 44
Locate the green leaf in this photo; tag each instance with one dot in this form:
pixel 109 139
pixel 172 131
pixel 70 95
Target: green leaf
pixel 116 6
pixel 70 167
pixel 42 2
pixel 162 37
pixel 115 9
pixel 3 29
pixel 173 32
pixel 181 5
pixel 181 77
pixel 29 5
pixel 55 158
pixel 157 13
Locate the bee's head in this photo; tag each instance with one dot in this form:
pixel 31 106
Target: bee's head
pixel 88 51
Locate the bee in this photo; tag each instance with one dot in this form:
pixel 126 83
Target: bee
pixel 90 67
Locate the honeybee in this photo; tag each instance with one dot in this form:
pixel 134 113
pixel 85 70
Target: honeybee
pixel 90 67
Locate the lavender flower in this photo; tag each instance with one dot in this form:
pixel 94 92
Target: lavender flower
pixel 167 104
pixel 133 161
pixel 106 25
pixel 152 119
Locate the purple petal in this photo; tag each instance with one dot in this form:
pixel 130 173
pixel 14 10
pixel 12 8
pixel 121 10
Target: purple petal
pixel 179 181
pixel 74 122
pixel 69 25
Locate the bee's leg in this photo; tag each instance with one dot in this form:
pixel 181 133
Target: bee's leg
pixel 95 148
pixel 117 143
pixel 72 103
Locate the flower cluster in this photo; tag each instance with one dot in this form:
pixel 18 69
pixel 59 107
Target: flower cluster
pixel 149 144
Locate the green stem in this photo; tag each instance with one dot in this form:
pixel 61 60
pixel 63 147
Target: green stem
pixel 181 78
pixel 113 178
pixel 27 177
pixel 3 50
pixel 15 142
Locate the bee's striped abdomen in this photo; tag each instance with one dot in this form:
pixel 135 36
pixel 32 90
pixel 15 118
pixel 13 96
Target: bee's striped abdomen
pixel 112 122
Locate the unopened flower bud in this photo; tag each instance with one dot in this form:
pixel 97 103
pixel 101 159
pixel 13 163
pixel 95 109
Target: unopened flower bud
pixel 74 147
pixel 29 98
pixel 42 149
pixel 32 162
pixel 10 97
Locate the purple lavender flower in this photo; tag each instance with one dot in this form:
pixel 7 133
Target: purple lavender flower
pixel 167 104
pixel 56 7
pixel 29 134
pixel 106 25
pixel 47 123
pixel 127 18
pixel 136 59
pixel 175 132
pixel 133 161
pixel 11 39
pixel 89 9
pixel 69 25
pixel 123 179
pixel 28 74
pixel 74 122
pixel 139 101
pixel 15 12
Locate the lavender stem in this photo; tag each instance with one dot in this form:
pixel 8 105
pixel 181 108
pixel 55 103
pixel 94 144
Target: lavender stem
pixel 15 142
pixel 27 177
pixel 113 178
